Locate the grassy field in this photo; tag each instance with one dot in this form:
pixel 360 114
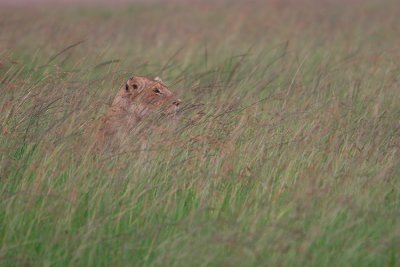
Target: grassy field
pixel 286 153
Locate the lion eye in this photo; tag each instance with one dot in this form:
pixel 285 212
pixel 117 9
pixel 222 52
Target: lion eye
pixel 157 91
pixel 135 86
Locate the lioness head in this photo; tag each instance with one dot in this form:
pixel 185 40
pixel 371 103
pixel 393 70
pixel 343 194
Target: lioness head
pixel 141 96
pixel 137 98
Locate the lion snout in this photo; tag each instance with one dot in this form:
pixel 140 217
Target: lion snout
pixel 176 103
pixel 173 107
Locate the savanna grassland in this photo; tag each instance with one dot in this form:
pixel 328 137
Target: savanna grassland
pixel 286 152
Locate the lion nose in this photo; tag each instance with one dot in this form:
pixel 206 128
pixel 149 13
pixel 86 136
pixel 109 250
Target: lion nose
pixel 177 102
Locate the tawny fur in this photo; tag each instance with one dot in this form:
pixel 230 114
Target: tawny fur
pixel 136 99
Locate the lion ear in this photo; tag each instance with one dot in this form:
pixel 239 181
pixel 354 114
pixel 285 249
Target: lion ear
pixel 158 79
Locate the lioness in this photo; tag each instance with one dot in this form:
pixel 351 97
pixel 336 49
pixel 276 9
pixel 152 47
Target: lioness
pixel 137 98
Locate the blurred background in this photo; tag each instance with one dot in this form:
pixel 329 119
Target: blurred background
pixel 286 151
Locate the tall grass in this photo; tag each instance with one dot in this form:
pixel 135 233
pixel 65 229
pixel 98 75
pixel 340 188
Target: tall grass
pixel 286 152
